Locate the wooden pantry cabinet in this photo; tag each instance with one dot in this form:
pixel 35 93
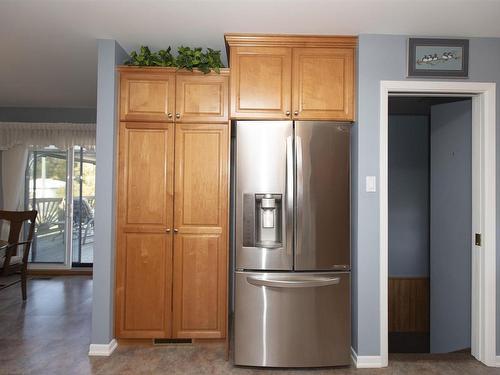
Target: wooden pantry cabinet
pixel 172 207
pixel 292 77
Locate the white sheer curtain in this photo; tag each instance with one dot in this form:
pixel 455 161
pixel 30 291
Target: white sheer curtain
pixel 13 169
pixel 15 140
pixel 61 135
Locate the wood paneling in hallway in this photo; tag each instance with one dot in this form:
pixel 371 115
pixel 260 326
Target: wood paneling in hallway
pixel 50 334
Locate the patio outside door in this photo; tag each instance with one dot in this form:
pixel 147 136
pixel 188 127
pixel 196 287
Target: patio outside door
pixel 83 207
pixel 64 233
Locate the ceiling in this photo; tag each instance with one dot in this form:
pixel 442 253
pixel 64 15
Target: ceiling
pixel 48 48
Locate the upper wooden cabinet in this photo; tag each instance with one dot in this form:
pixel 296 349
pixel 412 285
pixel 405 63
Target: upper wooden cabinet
pixel 261 82
pixel 323 83
pixel 292 77
pixel 147 96
pixel 168 95
pixel 202 98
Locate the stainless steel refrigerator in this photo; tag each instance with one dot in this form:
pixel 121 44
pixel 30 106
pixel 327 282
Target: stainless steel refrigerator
pixel 292 261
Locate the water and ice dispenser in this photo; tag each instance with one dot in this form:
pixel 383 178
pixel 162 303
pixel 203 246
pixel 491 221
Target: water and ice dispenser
pixel 262 220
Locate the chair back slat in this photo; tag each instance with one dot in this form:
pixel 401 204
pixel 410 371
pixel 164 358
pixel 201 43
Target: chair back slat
pixel 16 220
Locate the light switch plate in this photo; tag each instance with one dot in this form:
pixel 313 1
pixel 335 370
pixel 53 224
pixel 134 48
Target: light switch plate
pixel 371 184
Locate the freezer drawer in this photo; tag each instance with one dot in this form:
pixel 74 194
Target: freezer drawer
pixel 292 319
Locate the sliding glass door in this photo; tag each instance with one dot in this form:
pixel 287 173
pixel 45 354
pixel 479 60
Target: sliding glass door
pixel 64 234
pixel 83 207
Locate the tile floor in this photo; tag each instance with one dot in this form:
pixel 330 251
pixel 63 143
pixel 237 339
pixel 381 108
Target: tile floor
pixel 50 334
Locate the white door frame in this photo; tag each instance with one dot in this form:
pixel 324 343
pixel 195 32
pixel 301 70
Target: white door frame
pixel 483 324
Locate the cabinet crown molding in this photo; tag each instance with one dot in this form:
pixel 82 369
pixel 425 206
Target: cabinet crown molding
pixel 290 40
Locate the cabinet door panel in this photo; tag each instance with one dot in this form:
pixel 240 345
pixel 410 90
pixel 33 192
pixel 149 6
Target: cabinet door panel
pixel 144 248
pixel 147 97
pixel 200 245
pixel 202 98
pixel 146 289
pixel 323 83
pixel 199 277
pixel 260 82
pixel 201 175
pixel 145 176
pixel 146 156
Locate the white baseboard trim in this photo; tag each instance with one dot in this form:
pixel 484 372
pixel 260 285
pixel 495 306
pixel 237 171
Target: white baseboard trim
pixel 497 362
pixel 103 350
pixel 366 361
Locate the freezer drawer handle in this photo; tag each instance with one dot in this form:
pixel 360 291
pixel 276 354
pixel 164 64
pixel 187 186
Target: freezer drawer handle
pixel 291 283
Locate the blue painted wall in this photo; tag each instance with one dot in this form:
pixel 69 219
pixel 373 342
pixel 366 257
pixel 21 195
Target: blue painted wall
pixel 383 57
pixel 110 54
pixel 354 219
pixel 409 196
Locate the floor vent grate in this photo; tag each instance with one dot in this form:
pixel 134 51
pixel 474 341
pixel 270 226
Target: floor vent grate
pixel 172 341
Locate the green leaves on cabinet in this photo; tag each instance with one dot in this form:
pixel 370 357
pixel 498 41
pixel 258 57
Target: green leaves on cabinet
pixel 187 58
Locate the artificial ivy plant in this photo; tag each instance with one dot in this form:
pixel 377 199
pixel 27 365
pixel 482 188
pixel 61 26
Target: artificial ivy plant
pixel 187 58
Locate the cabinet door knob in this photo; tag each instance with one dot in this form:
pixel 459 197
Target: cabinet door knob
pixel 169 114
pixel 167 230
pixel 296 113
pixel 176 230
pixel 178 115
pixel 287 113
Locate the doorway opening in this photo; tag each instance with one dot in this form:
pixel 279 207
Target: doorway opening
pixel 430 220
pixel 483 229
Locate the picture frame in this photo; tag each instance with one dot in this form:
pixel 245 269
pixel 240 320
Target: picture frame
pixel 433 57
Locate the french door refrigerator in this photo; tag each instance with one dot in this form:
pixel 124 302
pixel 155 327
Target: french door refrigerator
pixel 292 261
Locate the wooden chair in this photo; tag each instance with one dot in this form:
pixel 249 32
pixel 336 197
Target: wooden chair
pixel 10 261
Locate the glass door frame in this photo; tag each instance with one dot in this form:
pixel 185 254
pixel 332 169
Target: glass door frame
pixel 68 226
pixel 80 160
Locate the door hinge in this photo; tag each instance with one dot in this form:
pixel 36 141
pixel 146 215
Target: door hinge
pixel 478 239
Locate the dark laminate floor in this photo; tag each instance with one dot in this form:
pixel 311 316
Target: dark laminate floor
pixel 50 334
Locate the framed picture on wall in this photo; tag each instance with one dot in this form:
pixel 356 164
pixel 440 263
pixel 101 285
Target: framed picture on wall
pixel 445 58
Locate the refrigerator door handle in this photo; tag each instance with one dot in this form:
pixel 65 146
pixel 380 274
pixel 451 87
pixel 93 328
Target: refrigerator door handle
pixel 294 282
pixel 289 194
pixel 300 196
